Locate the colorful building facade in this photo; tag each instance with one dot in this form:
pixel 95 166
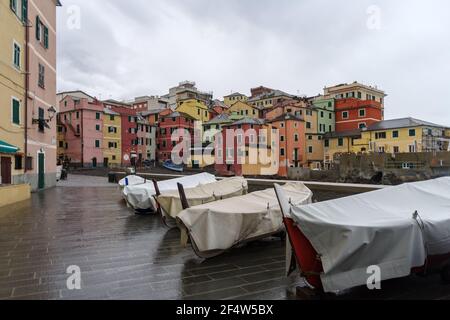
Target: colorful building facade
pixel 233 98
pixel 81 131
pixel 194 108
pixel 12 93
pixel 353 114
pixel 112 138
pixel 167 126
pixel 291 142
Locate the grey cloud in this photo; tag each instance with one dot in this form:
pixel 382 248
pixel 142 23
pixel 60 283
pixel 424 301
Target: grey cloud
pixel 136 47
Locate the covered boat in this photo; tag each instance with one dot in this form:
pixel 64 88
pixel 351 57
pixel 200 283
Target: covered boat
pixel 204 193
pixel 218 226
pixel 401 230
pixel 140 196
pixel 132 180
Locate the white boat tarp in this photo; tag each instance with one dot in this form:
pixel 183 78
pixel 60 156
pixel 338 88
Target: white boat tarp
pixel 378 229
pixel 222 224
pixel 132 181
pixel 141 196
pixel 227 188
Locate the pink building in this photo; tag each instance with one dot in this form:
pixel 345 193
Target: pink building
pixel 40 87
pixel 80 138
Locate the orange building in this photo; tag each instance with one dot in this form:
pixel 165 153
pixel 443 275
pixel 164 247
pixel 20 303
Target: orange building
pixel 292 141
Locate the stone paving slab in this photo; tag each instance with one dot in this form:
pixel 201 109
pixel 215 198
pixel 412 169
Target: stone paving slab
pixel 84 222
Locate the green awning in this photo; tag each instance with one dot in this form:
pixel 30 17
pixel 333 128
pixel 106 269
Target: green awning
pixel 7 148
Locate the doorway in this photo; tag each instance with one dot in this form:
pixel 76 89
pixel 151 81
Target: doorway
pixel 94 162
pixel 41 170
pixel 6 170
pixel 105 162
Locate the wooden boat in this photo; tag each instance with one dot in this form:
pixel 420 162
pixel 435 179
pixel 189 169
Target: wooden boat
pixel 216 227
pixel 336 242
pixel 168 164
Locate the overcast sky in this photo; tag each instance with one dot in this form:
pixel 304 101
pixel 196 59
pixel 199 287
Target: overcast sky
pixel 124 49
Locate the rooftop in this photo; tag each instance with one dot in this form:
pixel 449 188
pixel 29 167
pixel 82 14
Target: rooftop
pixel 401 123
pixel 343 134
pixel 221 118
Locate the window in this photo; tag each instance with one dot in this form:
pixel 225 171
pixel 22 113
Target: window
pixel 15 111
pixel 308 125
pixel 38 28
pixel 395 134
pixel 359 95
pixel 396 149
pixel 327 143
pixel 282 138
pixel 310 137
pixel 18 163
pixel 362 125
pixel 345 115
pixel 111 118
pixel 340 142
pixel 381 149
pixel 97 127
pixel 362 112
pixel 97 115
pixel 24 10
pixel 16 55
pixel 45 37
pixel 97 143
pixel 41 119
pixel 113 157
pixel 310 149
pixel 380 135
pixel 296 137
pixel 412 132
pixel 29 163
pixel 41 78
pixel 282 152
pixel 61 144
pixel 321 114
pixel 330 116
pixel 78 128
pixel 13 5
pixel 78 115
pixel 412 148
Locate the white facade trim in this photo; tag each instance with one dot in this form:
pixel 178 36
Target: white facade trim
pixel 42 16
pixel 53 68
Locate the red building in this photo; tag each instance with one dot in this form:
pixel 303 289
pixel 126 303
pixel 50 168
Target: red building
pixel 129 130
pixel 167 125
pixel 227 156
pixel 352 114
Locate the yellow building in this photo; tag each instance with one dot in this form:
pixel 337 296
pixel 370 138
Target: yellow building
pixel 197 109
pixel 268 100
pixel 12 91
pixel 335 143
pixel 233 98
pixel 112 137
pixel 403 135
pixel 61 142
pixel 240 110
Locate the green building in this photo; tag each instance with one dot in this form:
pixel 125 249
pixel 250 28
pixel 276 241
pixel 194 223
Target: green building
pixel 325 114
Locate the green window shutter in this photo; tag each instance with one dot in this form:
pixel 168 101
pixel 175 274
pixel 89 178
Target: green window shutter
pixel 16 112
pixel 45 37
pixel 24 11
pixel 13 5
pixel 38 28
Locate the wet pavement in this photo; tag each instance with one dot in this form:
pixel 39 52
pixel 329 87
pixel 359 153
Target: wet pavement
pixel 84 222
